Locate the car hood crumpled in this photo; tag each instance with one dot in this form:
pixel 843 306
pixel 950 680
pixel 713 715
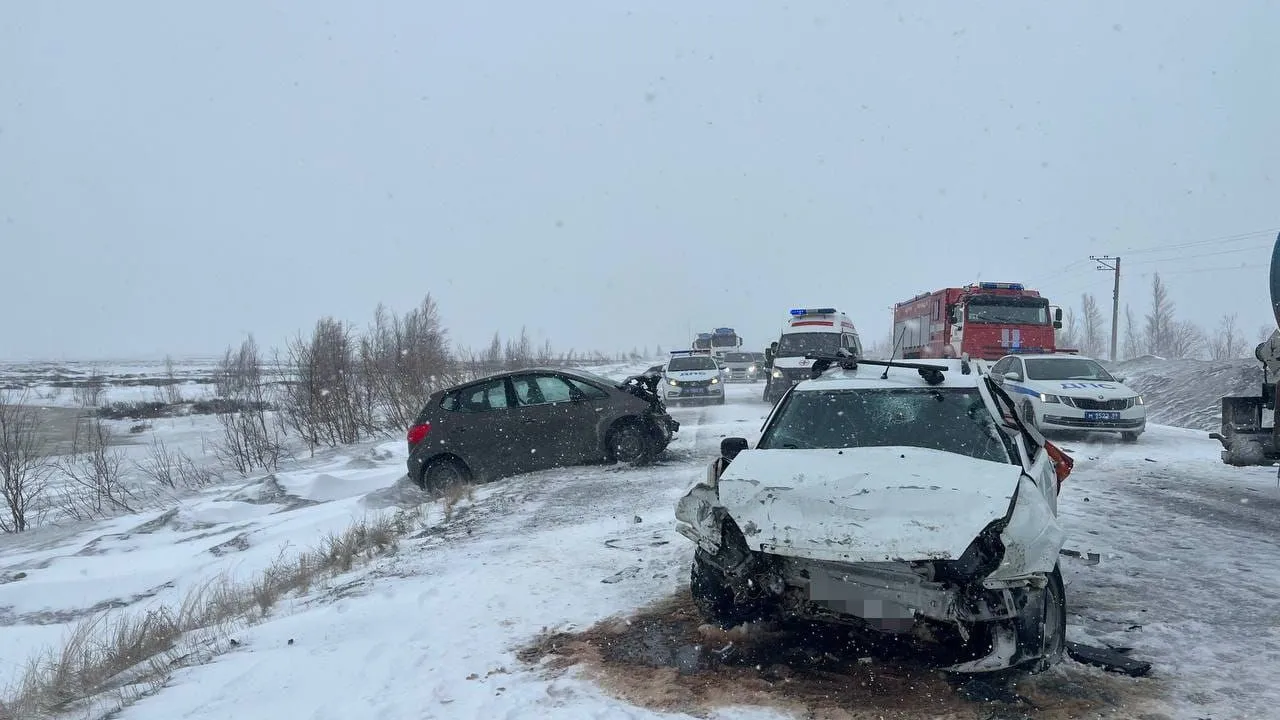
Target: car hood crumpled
pixel 874 504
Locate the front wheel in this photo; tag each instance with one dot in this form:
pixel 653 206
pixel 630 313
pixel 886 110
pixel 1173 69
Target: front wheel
pixel 630 443
pixel 713 597
pixel 1053 624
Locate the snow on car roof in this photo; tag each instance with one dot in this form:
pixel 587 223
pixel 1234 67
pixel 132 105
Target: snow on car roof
pixel 868 377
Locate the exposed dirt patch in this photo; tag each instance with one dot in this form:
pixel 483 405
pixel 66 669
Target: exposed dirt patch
pixel 665 659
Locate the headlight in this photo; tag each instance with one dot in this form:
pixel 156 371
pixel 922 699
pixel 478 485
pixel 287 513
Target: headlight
pixel 777 373
pixel 672 382
pixel 1047 398
pixel 715 380
pixel 1138 400
pixel 751 369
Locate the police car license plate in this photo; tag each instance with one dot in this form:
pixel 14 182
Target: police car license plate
pixel 695 391
pixel 1102 416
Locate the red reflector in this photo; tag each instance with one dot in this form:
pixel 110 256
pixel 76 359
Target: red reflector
pixel 418 432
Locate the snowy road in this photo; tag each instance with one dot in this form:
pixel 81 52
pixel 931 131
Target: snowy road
pixel 1185 579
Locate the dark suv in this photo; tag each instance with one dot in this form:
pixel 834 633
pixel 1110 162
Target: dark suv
pixel 527 420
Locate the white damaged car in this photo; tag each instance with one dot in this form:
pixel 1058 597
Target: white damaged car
pixel 1071 392
pixel 898 498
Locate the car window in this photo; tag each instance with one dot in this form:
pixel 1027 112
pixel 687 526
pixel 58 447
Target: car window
pixel 737 357
pixel 1066 368
pixel 588 390
pixel 541 389
pixel 477 398
pixel 691 362
pixel 951 420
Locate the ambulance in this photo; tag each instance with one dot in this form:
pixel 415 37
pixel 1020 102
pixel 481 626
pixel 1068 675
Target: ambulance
pixel 823 330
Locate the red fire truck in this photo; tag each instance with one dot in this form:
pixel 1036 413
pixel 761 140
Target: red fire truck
pixel 986 320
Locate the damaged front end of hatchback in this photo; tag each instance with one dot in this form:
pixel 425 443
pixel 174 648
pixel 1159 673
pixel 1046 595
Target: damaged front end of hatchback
pixel 973 574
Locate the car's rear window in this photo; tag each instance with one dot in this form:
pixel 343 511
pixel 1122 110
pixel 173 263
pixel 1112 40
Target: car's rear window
pixel 952 420
pixel 737 357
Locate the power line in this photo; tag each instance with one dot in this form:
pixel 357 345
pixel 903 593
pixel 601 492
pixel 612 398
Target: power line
pixel 1237 237
pixel 1203 255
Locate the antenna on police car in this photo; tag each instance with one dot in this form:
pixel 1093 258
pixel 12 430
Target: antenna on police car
pixel 893 353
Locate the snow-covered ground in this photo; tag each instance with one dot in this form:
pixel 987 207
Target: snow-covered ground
pixel 1188 578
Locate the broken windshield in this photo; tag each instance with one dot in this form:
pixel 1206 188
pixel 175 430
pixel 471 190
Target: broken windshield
pixel 952 420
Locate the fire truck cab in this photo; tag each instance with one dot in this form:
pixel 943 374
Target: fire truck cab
pixel 809 330
pixel 985 320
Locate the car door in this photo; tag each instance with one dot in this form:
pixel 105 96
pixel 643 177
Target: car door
pixel 553 429
pixel 482 429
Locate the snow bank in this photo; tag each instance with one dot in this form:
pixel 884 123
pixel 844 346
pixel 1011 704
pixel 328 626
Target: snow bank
pixel 1188 393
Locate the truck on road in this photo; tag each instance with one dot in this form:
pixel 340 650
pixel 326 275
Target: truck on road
pixel 985 320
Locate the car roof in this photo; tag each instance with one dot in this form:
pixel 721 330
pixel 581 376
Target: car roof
pixel 575 372
pixel 1051 356
pixel 868 377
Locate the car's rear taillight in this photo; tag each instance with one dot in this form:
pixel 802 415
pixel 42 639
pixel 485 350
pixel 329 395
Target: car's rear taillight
pixel 418 432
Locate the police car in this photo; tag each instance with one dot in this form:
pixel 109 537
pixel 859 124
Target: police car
pixel 1071 392
pixel 692 375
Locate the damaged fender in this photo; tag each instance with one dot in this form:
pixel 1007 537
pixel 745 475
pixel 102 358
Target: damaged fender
pixel 1032 538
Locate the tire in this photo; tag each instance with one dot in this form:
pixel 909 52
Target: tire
pixel 712 596
pixel 721 400
pixel 1053 624
pixel 1130 436
pixel 442 474
pixel 630 443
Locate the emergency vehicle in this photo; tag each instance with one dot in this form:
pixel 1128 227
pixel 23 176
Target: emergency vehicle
pixel 809 330
pixel 692 375
pixel 724 340
pixel 986 320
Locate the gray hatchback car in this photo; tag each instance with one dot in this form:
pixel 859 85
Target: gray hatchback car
pixel 526 420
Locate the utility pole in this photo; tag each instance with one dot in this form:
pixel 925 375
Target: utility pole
pixel 1106 262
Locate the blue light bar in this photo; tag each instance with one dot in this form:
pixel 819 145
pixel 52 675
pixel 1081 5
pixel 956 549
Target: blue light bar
pixel 1000 286
pixel 813 311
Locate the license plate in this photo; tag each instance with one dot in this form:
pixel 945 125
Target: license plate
pixel 1102 416
pixel 694 391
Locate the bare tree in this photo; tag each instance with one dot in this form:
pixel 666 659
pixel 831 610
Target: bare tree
pixel 403 360
pixel 1185 340
pixel 493 356
pixel 249 440
pixel 1158 330
pixel 518 353
pixel 89 392
pixel 1068 336
pixel 24 462
pixel 1092 336
pixel 94 486
pixel 173 393
pixel 1228 343
pixel 327 402
pixel 1265 332
pixel 1132 339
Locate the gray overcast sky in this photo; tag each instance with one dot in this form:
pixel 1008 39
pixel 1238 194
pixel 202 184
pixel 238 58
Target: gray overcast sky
pixel 173 175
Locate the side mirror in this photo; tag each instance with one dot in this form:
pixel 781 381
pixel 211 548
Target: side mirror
pixel 953 315
pixel 1120 380
pixel 1057 324
pixel 1013 376
pixel 1057 316
pixel 731 446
